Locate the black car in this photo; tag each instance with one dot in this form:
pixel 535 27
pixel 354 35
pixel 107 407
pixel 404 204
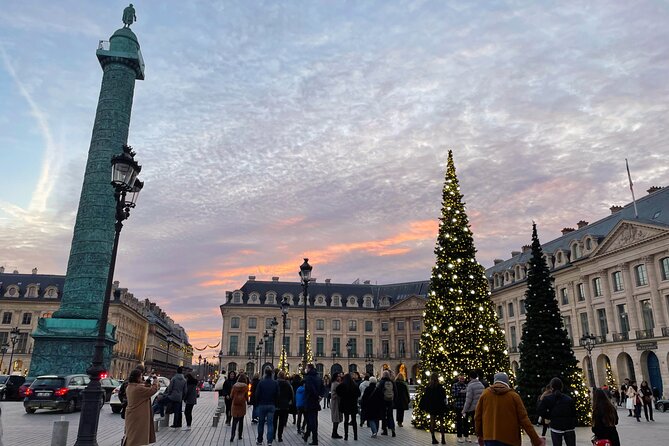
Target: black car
pixel 55 392
pixel 662 405
pixel 9 386
pixel 108 385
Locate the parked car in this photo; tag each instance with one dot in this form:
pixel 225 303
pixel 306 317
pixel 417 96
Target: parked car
pixel 115 403
pixel 108 385
pixel 22 390
pixel 55 392
pixel 662 405
pixel 9 386
pixel 207 386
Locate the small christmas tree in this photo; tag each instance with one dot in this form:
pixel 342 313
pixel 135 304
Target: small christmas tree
pixel 545 347
pixel 610 380
pixel 307 345
pixel 461 330
pixel 283 360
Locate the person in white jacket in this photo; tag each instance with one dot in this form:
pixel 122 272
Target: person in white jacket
pixel 474 390
pixel 218 387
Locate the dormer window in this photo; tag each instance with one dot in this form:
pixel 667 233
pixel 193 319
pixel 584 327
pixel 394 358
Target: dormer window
pixel 289 298
pixel 271 299
pixel 352 301
pixel 12 291
pixel 51 292
pixel 237 297
pixel 576 251
pixel 254 298
pixel 367 302
pixel 32 291
pixel 588 244
pixel 336 301
pixel 320 300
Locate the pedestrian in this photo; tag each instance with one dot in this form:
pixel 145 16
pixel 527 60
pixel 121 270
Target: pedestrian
pixel 348 393
pixel 299 406
pixel 283 403
pixel 500 414
pixel 335 414
pixel 401 399
pixel 372 406
pixel 295 382
pixel 313 391
pixel 175 393
pixel 238 398
pixel 218 387
pixel 624 387
pixel 459 395
pixel 634 400
pixel 387 388
pixel 474 390
pixel 604 418
pixel 616 396
pixel 254 386
pixel 433 401
pixel 561 411
pixel 541 420
pixel 267 394
pixel 226 391
pixel 646 400
pixel 190 398
pixel 326 391
pixel 138 429
pixel 363 386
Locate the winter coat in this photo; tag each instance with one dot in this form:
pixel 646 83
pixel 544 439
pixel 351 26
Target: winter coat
pixel 218 387
pixel 459 393
pixel 348 398
pixel 227 387
pixel 267 392
pixel 401 395
pixel 239 396
pixel 285 395
pixel 254 387
pixel 313 389
pixel 373 407
pixel 363 386
pixel 139 415
pixel 335 413
pixel 175 391
pixel 295 383
pixel 602 431
pixel 190 396
pixel 380 387
pixel 474 390
pixel 500 414
pixel 560 410
pixel 299 397
pixel 433 400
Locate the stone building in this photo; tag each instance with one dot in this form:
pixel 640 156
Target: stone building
pixel 142 328
pixel 360 327
pixel 611 279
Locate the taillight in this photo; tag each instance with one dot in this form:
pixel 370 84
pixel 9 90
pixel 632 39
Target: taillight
pixel 28 392
pixel 61 392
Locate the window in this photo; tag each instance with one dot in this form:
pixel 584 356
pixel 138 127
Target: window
pixel 369 347
pixel 400 325
pixel 336 301
pixel 401 348
pixel 234 322
pixel 617 278
pixel 415 325
pixel 237 298
pixel 580 290
pixel 385 348
pixel 566 321
pixel 320 369
pixel 352 325
pixel 641 275
pixel 597 287
pixel 416 347
pixel 647 312
pixel 522 306
pixel 253 322
pixel 622 318
pixel 287 345
pixel 7 317
pixel 514 341
pixel 27 318
pixel 603 325
pixel 301 325
pixel 234 342
pixel 51 293
pixel 271 299
pixel 287 324
pixel 320 346
pixel 368 302
pixel 576 251
pixel 251 344
pixel 352 302
pixel 353 343
pixel 585 326
pixel 336 346
pixel 32 291
pixel 664 268
pixel 588 244
pixel 564 296
pixel 268 323
pixel 512 313
pixel 500 311
pixel 320 324
pixel 300 346
pixel 384 326
pixel 369 326
pixel 336 324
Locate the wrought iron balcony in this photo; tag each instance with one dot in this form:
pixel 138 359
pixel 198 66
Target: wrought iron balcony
pixel 600 339
pixel 644 334
pixel 620 337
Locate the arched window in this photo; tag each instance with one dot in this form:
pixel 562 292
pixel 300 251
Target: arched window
pixel 320 300
pixel 270 298
pixel 12 291
pixel 51 292
pixel 336 301
pixel 254 298
pixel 352 301
pixel 368 302
pixel 32 291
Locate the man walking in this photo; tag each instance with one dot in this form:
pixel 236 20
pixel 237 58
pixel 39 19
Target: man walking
pixel 266 398
pixel 387 388
pixel 500 414
pixel 175 393
pixel 313 391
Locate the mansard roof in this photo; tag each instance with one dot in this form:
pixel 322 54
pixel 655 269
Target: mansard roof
pixel 22 281
pixel 653 209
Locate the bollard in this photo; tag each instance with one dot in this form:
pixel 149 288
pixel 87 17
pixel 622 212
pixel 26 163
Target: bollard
pixel 59 436
pixel 214 422
pixel 156 425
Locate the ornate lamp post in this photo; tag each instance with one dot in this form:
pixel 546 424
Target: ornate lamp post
pixel 4 349
pixel 588 342
pixel 220 362
pixel 284 315
pixel 265 338
pixel 349 347
pixel 305 276
pixel 369 360
pixel 168 339
pixel 126 190
pixel 13 338
pixel 199 364
pixel 334 357
pixel 273 324
pixel 258 355
pixel 206 370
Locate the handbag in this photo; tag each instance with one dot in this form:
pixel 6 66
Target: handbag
pixel 601 441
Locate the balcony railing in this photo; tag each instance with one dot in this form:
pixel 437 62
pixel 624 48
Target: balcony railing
pixel 665 331
pixel 600 339
pixel 513 349
pixel 620 337
pixel 644 334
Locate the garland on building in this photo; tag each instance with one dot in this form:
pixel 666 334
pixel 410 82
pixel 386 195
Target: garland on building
pixel 545 347
pixel 461 330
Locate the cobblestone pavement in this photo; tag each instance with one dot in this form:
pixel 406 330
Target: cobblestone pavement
pixel 22 429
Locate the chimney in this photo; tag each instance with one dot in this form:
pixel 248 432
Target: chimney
pixel 582 224
pixel 526 248
pixel 16 271
pixel 2 269
pixel 653 189
pixel 515 253
pixel 367 282
pixel 328 280
pixel 498 261
pixel 615 208
pixel 252 278
pixel 567 230
pixel 275 279
pixel 35 270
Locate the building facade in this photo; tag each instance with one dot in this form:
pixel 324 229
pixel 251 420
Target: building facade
pixel 611 279
pixel 359 327
pixel 141 327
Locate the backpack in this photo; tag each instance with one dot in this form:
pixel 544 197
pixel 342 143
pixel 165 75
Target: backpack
pixel 388 394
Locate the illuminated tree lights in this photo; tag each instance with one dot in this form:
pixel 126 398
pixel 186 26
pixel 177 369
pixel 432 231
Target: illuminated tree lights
pixel 545 347
pixel 461 330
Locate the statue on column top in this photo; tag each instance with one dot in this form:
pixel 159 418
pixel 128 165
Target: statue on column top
pixel 129 16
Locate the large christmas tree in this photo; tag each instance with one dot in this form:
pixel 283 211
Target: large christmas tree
pixel 545 348
pixel 460 332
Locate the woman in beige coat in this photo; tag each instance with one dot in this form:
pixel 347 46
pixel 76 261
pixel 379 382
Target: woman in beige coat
pixel 138 414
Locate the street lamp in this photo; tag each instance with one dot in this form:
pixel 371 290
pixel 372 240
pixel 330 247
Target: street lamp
pixel 4 349
pixel 588 342
pixel 199 364
pixel 258 355
pixel 349 347
pixel 369 361
pixel 305 276
pixel 168 339
pixel 265 338
pixel 273 324
pixel 126 191
pixel 13 337
pixel 220 361
pixel 284 315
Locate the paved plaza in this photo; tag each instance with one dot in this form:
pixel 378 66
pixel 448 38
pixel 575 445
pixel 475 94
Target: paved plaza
pixel 22 429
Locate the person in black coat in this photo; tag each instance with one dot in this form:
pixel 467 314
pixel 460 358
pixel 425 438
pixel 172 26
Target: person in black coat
pixel 604 418
pixel 373 406
pixel 433 402
pixel 402 399
pixel 313 392
pixel 561 411
pixel 226 392
pixel 254 387
pixel 348 393
pixel 286 397
pixel 295 382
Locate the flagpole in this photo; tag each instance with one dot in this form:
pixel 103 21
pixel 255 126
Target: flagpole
pixel 629 177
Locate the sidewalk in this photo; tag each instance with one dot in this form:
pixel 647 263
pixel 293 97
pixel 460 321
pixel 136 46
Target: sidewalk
pixel 22 429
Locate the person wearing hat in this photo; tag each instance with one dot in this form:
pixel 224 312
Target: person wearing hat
pixel 500 414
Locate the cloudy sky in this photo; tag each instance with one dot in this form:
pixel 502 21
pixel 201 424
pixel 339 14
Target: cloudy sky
pixel 269 131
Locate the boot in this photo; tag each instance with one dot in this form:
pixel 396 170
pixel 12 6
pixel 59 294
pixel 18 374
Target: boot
pixel 443 439
pixel 345 430
pixel 355 431
pixel 314 440
pixel 335 426
pixel 434 439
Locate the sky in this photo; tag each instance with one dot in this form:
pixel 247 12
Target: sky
pixel 272 131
